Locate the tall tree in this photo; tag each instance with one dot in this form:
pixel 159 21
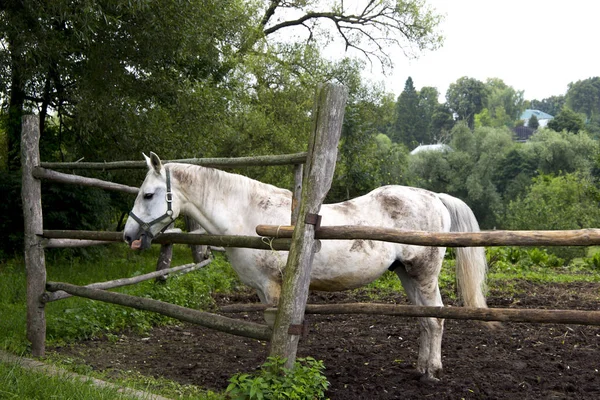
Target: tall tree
pixel 466 97
pixel 584 97
pixel 98 64
pixel 409 126
pixel 504 104
pixel 428 105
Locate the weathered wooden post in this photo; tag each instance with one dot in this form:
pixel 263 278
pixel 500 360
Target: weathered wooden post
pixel 31 196
pixel 199 252
pixel 297 194
pixel 330 102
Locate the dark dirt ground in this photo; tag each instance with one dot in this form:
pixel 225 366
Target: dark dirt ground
pixel 373 357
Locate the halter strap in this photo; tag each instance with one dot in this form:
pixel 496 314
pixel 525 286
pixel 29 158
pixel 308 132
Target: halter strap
pixel 145 226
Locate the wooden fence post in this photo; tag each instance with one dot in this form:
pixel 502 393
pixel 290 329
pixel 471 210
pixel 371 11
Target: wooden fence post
pixel 31 196
pixel 297 194
pixel 199 252
pixel 330 102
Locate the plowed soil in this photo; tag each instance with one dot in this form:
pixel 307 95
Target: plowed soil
pixel 373 357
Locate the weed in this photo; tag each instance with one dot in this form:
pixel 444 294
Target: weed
pixel 304 382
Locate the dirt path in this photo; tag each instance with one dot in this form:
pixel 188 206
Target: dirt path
pixel 373 357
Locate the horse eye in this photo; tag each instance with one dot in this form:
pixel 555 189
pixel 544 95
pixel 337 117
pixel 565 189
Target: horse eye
pixel 148 196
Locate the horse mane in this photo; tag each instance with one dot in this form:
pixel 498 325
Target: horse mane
pixel 222 181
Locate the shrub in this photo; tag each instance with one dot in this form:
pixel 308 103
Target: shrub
pixel 304 382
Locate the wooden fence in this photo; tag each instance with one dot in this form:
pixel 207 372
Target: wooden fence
pixel 301 240
pixel 40 292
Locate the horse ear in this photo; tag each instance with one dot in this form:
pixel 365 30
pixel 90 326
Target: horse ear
pixel 154 162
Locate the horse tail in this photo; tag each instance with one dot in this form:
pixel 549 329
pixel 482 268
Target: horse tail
pixel 471 264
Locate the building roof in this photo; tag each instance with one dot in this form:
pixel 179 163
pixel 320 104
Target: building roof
pixel 539 114
pixel 439 147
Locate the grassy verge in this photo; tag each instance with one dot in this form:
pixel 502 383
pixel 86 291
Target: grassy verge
pixel 75 319
pixel 17 382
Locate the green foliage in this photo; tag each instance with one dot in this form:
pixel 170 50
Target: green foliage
pixel 503 105
pixel 593 262
pixel 567 120
pixel 517 259
pixel 563 202
pixel 551 105
pixel 304 382
pixel 409 126
pixel 467 97
pixel 533 122
pixel 78 318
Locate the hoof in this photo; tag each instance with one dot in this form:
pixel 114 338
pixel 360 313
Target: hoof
pixel 429 379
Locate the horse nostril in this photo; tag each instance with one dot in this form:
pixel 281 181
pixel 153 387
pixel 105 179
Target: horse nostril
pixel 128 239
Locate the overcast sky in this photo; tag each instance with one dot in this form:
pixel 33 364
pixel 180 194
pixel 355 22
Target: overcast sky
pixel 533 45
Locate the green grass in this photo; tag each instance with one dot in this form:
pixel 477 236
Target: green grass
pixel 76 318
pixel 19 383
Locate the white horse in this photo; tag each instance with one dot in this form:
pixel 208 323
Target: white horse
pixel 230 204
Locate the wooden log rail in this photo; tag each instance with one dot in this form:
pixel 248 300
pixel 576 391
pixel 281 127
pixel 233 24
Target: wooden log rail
pixel 283 159
pixel 581 237
pixel 48 174
pixel 577 317
pixel 59 295
pixel 213 321
pixel 252 242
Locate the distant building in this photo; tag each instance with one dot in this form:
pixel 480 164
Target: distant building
pixel 439 147
pixel 542 117
pixel 523 133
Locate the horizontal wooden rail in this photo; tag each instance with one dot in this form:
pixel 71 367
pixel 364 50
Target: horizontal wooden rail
pixel 252 242
pixel 213 321
pixel 582 237
pixel 283 159
pixel 48 174
pixel 53 296
pixel 579 317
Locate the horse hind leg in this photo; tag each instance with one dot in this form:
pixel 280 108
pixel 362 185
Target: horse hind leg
pixel 425 292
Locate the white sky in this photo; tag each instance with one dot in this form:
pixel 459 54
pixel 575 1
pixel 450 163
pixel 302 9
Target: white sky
pixel 532 45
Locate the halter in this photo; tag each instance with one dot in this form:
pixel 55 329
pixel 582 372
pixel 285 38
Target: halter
pixel 145 226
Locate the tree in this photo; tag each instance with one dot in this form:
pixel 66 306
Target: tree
pixel 567 120
pixel 556 202
pixel 584 97
pixel 98 65
pixel 533 122
pixel 428 106
pixel 466 97
pixel 371 29
pixel 503 102
pixel 551 105
pixel 409 126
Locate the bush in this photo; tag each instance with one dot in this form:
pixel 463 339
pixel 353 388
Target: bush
pixel 514 259
pixel 274 381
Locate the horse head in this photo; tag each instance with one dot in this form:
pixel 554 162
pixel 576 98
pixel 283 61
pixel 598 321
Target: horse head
pixel 155 207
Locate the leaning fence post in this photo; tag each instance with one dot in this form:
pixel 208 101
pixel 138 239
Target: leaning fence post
pixel 330 102
pixel 31 196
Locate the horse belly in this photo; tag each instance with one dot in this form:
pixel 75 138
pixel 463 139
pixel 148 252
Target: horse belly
pixel 343 265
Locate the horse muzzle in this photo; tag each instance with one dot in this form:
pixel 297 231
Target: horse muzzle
pixel 142 243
